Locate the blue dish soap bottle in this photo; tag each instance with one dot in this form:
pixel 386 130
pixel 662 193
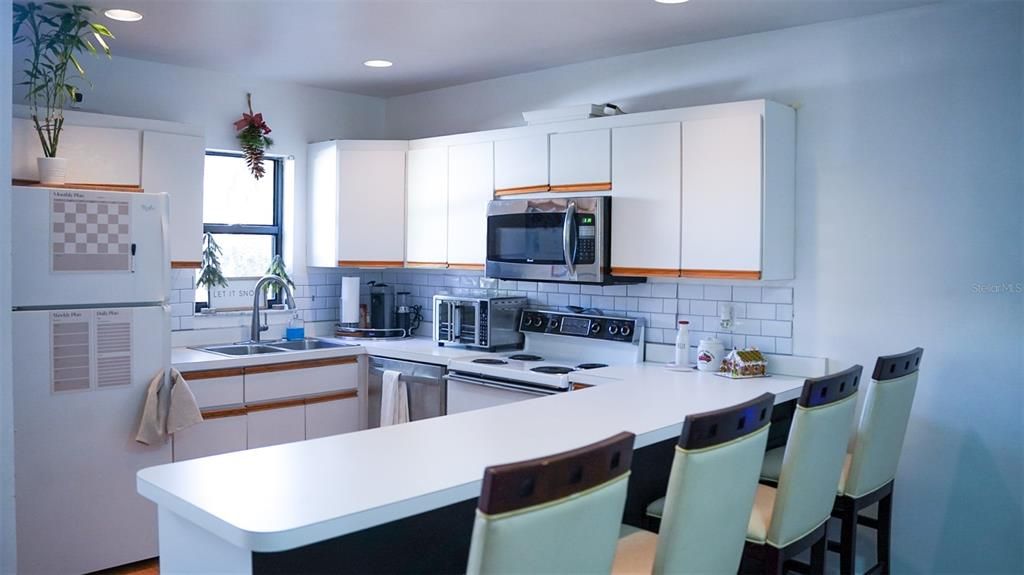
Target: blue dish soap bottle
pixel 296 329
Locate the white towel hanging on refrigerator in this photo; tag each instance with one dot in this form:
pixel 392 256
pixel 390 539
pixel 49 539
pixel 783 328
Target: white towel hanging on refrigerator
pixel 394 401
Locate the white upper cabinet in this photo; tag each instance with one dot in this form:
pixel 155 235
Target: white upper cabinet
pixel 357 203
pixel 470 187
pixel 173 164
pixel 645 214
pixel 95 155
pixel 738 195
pixel 427 218
pixel 521 165
pixel 581 161
pixel 722 195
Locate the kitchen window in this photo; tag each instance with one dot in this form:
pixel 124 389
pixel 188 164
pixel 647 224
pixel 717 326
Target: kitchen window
pixel 244 216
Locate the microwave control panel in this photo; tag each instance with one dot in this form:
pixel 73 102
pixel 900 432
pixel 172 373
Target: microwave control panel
pixel 588 326
pixel 586 243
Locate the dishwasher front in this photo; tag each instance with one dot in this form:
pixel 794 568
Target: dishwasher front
pixel 425 383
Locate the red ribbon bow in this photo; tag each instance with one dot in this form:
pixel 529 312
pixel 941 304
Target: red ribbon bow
pixel 252 120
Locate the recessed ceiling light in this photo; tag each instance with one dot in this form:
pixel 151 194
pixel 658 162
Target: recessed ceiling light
pixel 122 15
pixel 670 1
pixel 378 63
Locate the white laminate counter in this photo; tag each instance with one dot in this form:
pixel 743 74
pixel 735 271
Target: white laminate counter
pixel 286 496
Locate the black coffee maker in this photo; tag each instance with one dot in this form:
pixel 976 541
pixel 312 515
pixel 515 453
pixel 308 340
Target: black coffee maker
pixel 407 317
pixel 382 306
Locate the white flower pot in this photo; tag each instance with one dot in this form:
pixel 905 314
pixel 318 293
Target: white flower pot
pixel 52 171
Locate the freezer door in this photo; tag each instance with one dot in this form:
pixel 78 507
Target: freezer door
pixel 74 247
pixel 74 436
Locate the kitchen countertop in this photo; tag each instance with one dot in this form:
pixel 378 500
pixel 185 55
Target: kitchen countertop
pixel 286 496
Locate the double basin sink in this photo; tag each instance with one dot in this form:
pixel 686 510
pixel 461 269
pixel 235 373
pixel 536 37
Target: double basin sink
pixel 244 349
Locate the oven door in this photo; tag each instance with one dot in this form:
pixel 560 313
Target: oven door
pixel 468 393
pixel 551 239
pixel 457 322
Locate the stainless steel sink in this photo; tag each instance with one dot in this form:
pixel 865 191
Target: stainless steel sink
pixel 306 344
pixel 241 349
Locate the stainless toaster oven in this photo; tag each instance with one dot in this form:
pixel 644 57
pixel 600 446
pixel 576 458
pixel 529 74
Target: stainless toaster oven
pixel 479 322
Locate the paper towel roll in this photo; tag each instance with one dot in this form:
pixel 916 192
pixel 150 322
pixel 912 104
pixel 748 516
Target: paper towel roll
pixel 350 299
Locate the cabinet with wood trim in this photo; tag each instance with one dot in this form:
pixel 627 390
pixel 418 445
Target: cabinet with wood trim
pixel 738 195
pixel 95 155
pixel 357 202
pixel 581 161
pixel 263 405
pixel 470 187
pixel 521 165
pixel 332 415
pixel 646 198
pixel 427 218
pixel 174 164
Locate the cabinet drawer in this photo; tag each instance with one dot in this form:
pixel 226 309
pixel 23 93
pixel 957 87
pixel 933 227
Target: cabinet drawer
pixel 216 387
pixel 276 381
pixel 213 436
pixel 276 425
pixel 332 417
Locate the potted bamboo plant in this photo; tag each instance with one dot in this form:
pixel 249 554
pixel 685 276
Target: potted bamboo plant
pixel 57 34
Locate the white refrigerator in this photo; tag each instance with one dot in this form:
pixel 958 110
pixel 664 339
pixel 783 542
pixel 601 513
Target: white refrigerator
pixel 91 329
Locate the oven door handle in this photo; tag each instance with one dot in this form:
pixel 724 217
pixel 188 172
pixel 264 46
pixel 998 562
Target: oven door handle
pixel 503 386
pixel 568 227
pixel 456 318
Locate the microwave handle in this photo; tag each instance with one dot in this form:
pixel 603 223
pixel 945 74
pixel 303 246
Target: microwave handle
pixel 567 234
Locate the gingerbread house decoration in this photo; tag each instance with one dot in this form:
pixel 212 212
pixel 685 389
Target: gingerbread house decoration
pixel 745 363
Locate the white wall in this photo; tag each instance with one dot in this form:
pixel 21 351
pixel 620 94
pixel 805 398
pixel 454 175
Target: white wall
pixel 909 196
pixel 7 562
pixel 297 114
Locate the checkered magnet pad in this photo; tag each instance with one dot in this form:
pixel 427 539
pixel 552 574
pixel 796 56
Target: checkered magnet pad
pixel 91 235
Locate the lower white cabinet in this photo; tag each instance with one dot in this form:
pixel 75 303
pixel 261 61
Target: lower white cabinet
pixel 258 406
pixel 276 425
pixel 295 379
pixel 331 417
pixel 215 435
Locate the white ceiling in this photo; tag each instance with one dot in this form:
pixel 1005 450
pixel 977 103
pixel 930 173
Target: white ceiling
pixel 437 43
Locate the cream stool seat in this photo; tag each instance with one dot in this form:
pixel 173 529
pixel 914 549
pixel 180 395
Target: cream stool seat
pixel 554 514
pixel 710 491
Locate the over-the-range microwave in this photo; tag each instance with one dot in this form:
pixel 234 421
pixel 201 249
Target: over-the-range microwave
pixel 565 239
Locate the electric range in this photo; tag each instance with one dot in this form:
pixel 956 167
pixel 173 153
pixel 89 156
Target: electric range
pixel 555 344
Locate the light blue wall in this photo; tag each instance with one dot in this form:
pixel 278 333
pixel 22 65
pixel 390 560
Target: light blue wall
pixel 909 200
pixel 6 418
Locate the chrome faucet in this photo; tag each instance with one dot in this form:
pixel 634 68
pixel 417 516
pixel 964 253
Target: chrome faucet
pixel 257 327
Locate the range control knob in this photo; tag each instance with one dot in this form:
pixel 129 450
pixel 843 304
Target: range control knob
pixel 537 321
pixel 595 327
pixel 613 329
pixel 626 330
pixel 553 323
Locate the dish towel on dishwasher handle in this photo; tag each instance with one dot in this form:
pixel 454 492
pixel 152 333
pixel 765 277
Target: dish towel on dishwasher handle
pixel 394 399
pixel 167 413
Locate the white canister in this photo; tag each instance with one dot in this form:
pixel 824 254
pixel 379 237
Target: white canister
pixel 710 354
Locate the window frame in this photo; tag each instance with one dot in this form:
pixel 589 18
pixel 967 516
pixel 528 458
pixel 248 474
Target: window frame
pixel 276 229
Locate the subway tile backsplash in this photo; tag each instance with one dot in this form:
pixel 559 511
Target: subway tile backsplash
pixel 762 315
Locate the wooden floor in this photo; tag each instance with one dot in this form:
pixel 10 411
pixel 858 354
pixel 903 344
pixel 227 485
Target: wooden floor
pixel 147 567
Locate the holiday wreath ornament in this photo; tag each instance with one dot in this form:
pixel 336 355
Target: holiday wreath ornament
pixel 252 135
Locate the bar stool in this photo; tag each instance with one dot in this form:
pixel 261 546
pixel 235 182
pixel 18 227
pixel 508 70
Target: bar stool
pixel 555 514
pixel 710 493
pixel 870 467
pixel 793 517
